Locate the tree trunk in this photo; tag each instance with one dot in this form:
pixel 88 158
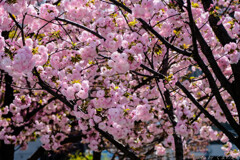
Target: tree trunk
pixel 177 139
pixel 37 154
pixel 6 151
pixel 96 155
pixel 178 147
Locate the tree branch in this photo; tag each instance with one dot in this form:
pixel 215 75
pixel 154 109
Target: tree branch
pixel 37 154
pixel 80 26
pixel 146 26
pixel 219 30
pixel 224 38
pixel 208 53
pixel 52 92
pixel 104 134
pixel 21 28
pixel 122 148
pixel 208 115
pixel 161 76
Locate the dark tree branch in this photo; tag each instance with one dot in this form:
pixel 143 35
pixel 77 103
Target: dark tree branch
pixel 146 26
pixel 40 151
pixel 51 91
pixel 8 98
pixel 163 40
pixel 21 28
pixel 205 112
pixel 158 140
pixel 208 53
pixel 57 2
pixel 196 35
pixel 37 154
pixel 144 75
pixel 236 86
pixel 121 5
pixel 167 101
pixel 35 111
pixel 205 105
pixel 80 26
pixel 70 105
pixel 144 82
pixel 177 138
pixel 213 63
pixel 219 30
pixel 122 148
pixel 29 116
pixel 161 76
pixel 208 115
pixel 96 155
pixel 7 150
pixel 72 139
pixel 224 38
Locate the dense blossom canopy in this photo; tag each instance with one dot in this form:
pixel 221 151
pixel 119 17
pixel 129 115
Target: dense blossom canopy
pixel 145 75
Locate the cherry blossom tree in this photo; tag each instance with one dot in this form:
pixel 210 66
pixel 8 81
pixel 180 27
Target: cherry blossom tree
pixel 139 77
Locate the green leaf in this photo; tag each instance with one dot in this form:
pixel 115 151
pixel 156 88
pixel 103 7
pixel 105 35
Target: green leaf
pixel 99 109
pixel 133 23
pixel 12 34
pixel 195 5
pixel 35 50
